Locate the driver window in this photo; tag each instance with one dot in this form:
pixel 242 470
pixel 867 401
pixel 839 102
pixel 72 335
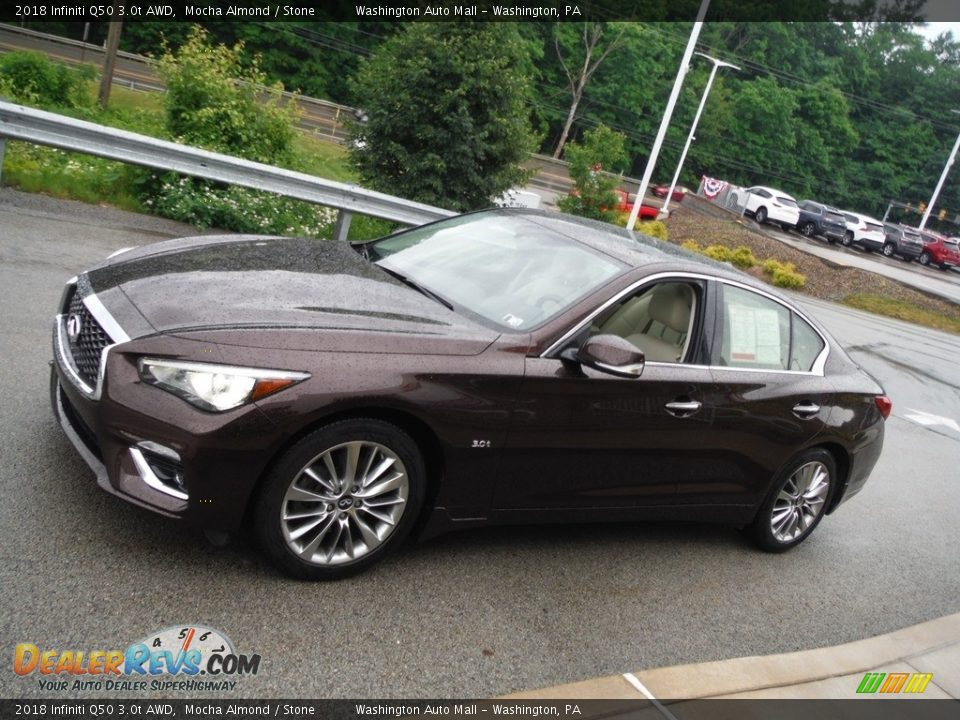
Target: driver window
pixel 658 320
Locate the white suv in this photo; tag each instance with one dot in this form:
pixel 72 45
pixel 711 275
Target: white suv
pixel 863 230
pixel 768 204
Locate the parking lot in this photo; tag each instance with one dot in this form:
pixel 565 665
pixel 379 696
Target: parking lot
pixel 478 613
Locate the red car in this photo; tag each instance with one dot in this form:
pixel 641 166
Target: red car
pixel 624 204
pixel 677 196
pixel 939 250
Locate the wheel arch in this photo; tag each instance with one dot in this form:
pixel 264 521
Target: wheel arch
pixel 842 459
pixel 419 431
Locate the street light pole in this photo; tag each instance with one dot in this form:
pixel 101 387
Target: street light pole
pixel 668 113
pixel 943 177
pixel 717 64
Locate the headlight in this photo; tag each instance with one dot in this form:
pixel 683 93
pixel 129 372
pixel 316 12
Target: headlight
pixel 215 387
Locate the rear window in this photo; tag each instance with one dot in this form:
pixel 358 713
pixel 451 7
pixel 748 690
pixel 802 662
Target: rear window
pixel 874 226
pixel 836 217
pixel 789 202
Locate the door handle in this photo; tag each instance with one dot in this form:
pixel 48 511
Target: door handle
pixel 682 409
pixel 806 410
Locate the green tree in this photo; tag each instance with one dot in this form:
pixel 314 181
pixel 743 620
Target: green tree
pixel 216 102
pixel 602 150
pixel 447 108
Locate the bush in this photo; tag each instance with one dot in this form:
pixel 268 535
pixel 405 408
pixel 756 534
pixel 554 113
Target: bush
pixel 240 209
pixel 594 195
pixel 653 228
pixel 719 253
pixel 215 101
pixel 691 245
pixel 784 275
pixel 34 79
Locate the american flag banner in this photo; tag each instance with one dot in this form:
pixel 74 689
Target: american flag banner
pixel 713 187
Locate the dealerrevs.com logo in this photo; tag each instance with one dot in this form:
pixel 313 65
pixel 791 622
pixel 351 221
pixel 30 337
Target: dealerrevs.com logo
pixel 184 658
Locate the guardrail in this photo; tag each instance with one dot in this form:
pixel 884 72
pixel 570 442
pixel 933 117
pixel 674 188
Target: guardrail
pixel 45 128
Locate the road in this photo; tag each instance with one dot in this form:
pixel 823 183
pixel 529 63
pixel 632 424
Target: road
pixel 477 613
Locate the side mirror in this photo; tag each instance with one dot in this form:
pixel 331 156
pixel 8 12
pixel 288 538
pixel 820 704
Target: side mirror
pixel 609 354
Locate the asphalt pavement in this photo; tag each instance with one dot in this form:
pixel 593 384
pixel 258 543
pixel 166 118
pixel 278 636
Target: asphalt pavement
pixel 474 614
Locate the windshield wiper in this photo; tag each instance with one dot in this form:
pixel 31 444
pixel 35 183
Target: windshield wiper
pixel 419 288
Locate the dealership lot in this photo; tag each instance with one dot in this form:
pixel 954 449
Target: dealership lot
pixel 473 614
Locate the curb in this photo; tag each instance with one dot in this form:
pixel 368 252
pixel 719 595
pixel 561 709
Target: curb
pixel 759 673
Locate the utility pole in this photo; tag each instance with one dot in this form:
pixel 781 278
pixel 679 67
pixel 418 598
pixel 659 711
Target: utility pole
pixel 717 64
pixel 110 59
pixel 668 113
pixel 943 177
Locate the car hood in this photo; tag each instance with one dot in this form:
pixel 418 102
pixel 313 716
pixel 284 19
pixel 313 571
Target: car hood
pixel 248 289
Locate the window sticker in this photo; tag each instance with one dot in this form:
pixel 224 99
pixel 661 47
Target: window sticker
pixel 754 334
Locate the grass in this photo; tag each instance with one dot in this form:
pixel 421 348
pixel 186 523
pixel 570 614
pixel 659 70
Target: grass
pixel 902 310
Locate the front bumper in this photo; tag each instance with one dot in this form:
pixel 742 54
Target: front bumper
pixel 149 447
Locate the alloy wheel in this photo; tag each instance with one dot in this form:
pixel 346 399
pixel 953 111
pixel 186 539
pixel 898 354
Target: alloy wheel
pixel 800 502
pixel 345 503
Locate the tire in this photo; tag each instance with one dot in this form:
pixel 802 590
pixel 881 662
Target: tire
pixel 790 513
pixel 925 258
pixel 889 249
pixel 807 229
pixel 944 266
pixel 908 258
pixel 847 239
pixel 760 215
pixel 331 533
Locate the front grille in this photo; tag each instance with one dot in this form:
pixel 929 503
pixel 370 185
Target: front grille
pixel 87 348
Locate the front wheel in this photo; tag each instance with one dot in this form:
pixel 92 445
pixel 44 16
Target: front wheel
pixel 340 499
pixel 761 215
pixel 797 502
pixel 888 250
pixel 924 258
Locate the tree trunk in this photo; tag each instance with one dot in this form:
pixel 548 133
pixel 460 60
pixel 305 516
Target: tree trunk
pixel 569 123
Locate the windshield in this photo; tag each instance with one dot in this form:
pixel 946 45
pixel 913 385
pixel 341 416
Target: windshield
pixel 505 268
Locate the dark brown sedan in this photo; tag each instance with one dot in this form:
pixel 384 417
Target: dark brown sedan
pixel 499 367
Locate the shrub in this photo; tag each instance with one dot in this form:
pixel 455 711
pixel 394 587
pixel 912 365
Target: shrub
pixel 653 228
pixel 743 258
pixel 691 245
pixel 240 209
pixel 784 275
pixel 34 79
pixel 216 100
pixel 718 253
pixel 594 196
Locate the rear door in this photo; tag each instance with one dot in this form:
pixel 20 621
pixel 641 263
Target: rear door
pixel 768 396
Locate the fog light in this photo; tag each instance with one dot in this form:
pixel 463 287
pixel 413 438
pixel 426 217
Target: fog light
pixel 159 470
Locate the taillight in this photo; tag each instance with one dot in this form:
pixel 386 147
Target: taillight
pixel 884 405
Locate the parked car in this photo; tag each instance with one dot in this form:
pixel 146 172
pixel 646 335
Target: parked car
pixel 821 220
pixel 678 194
pixel 505 366
pixel 625 205
pixel 902 240
pixel 864 231
pixel 768 204
pixel 939 250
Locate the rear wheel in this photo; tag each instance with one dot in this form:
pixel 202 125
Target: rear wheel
pixel 924 258
pixel 761 215
pixel 847 239
pixel 340 499
pixel 797 502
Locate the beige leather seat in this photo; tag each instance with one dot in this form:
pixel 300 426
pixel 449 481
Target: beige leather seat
pixel 665 335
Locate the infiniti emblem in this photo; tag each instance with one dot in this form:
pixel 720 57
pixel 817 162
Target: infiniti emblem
pixel 74 325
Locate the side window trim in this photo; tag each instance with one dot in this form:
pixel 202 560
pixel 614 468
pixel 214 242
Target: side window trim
pixel 701 295
pixel 818 364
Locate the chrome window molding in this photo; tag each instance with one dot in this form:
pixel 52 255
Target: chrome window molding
pixel 816 369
